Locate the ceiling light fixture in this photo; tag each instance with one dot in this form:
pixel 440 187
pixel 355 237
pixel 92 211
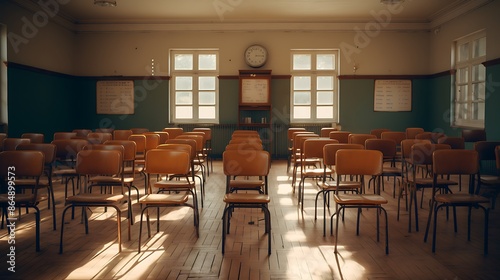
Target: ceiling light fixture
pixel 105 3
pixel 391 2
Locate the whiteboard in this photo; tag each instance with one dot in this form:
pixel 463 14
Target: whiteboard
pixel 255 91
pixel 115 97
pixel 392 96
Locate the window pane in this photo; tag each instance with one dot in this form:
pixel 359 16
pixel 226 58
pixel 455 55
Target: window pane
pixel 302 83
pixel 324 112
pixel 461 112
pixel 463 52
pixel 462 93
pixel 183 112
pixel 301 112
pixel 478 111
pixel 206 112
pixel 183 62
pixel 479 47
pixel 462 75
pixel 206 83
pixel 302 98
pixel 325 62
pixel 478 92
pixel 324 98
pixel 478 73
pixel 183 83
pixel 206 98
pixel 183 97
pixel 207 62
pixel 324 83
pixel 301 62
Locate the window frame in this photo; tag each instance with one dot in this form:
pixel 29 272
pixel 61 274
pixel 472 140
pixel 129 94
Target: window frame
pixel 469 101
pixel 195 74
pixel 314 73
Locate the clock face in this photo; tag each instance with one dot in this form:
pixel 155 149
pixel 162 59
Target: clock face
pixel 256 56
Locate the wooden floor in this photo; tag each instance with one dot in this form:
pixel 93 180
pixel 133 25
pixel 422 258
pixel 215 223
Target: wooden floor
pixel 299 250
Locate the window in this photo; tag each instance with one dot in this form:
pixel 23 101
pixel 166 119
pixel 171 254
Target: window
pixel 470 78
pixel 194 86
pixel 314 86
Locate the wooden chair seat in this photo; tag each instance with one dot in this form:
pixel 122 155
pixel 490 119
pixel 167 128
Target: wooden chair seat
pixel 23 198
pixel 342 186
pixel 166 185
pixel 360 199
pixel 460 198
pixel 92 198
pixel 164 199
pixel 251 198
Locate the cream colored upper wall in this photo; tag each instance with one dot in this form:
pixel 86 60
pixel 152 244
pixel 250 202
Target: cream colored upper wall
pixel 35 41
pixel 52 47
pixel 441 40
pixel 131 53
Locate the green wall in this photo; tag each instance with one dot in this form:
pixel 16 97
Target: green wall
pixel 357 114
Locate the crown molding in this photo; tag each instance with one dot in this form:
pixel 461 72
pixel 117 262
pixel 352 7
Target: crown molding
pixel 455 10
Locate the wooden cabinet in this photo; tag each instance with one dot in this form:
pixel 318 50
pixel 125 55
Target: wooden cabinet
pixel 254 108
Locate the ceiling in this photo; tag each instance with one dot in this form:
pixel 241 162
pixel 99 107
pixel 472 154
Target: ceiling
pixel 83 14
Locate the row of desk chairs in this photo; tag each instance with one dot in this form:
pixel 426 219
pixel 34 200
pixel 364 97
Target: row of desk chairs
pixel 246 167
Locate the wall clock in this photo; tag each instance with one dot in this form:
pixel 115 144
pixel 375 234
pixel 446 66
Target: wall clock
pixel 255 56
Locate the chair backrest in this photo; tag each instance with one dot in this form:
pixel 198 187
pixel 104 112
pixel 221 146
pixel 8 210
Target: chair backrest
pixel 406 145
pixel 198 138
pixel 378 132
pixel 2 136
pixel 190 142
pixel 166 161
pixel 291 130
pixel 82 132
pixel 164 136
pixel 206 130
pixel 244 146
pixel 486 149
pixel 313 147
pixel 243 132
pixel 454 142
pixel 298 141
pixel 105 130
pixel 34 137
pixel 129 148
pixel 330 150
pixel 396 136
pixel 139 130
pixel 177 147
pixel 152 140
pixel 421 153
pixel 432 136
pixel 411 132
pixel 103 147
pixel 48 150
pixel 250 140
pixel 94 162
pixel 122 134
pixel 64 135
pixel 325 131
pixel 358 138
pixel 140 143
pixel 358 162
pixel 474 135
pixel 386 146
pixel 173 132
pixel 246 163
pixel 10 144
pixel 67 149
pixel 341 136
pixel 99 137
pixel 26 163
pixel 455 162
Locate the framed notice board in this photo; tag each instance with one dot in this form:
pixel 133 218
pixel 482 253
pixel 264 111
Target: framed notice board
pixel 392 96
pixel 115 97
pixel 255 91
